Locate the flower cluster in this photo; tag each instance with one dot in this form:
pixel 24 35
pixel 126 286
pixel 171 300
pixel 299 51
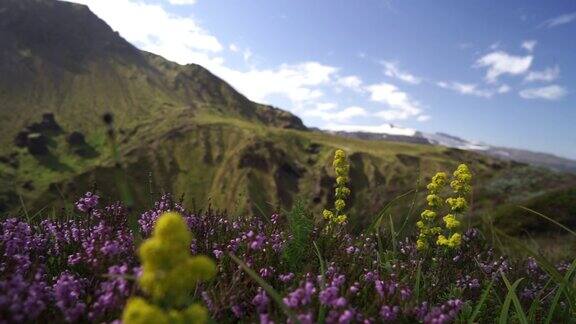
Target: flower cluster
pixel 84 268
pixel 429 226
pixel 342 168
pixel 169 275
pixel 61 270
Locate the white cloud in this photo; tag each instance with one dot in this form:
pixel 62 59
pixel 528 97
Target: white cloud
pixel 247 54
pixel 423 118
pixel 546 75
pixel 338 116
pixel 400 105
pixel 324 106
pixel 529 45
pixel 495 46
pixel 182 2
pixel 181 39
pixel 392 70
pixel 378 129
pixel 297 82
pixel 504 89
pixel 303 84
pixel 153 29
pixel 560 20
pixel 499 63
pixel 351 82
pixel 551 92
pixel 466 89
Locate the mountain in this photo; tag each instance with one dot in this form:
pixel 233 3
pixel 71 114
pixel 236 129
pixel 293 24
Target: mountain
pixel 181 129
pixel 399 134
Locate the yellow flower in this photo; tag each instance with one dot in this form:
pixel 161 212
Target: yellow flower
pixel 421 244
pixel 428 214
pixel 455 240
pixel 342 192
pixel 138 311
pixel 462 180
pixel 442 240
pixel 435 230
pixel 457 204
pixel 341 180
pixel 434 200
pixel 341 219
pixel 339 154
pixel 342 170
pixel 438 181
pixel 339 204
pixel 327 214
pixel 169 274
pixel 451 221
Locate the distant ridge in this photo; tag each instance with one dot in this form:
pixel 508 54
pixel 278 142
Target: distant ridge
pixel 519 155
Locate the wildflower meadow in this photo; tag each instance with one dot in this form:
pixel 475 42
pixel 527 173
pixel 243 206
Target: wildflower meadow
pixel 173 265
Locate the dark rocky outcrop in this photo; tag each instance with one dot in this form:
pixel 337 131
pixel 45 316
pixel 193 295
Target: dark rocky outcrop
pixel 76 139
pixel 37 144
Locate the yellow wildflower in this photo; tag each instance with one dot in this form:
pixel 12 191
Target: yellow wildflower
pixel 339 204
pixel 169 275
pixel 457 204
pixel 434 200
pixel 451 221
pixel 341 219
pixel 138 311
pixel 428 214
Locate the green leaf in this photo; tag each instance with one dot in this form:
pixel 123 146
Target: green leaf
pixel 301 227
pixel 559 292
pixel 549 219
pixel 483 299
pixel 417 284
pixel 511 296
pixel 378 221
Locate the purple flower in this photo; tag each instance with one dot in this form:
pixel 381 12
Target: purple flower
pixel 261 301
pixel 23 300
pixel 238 311
pixel 218 254
pixel 111 294
pixel 265 319
pixel 68 292
pixel 445 313
pixel 286 277
pixel 301 296
pixel 389 313
pixel 258 242
pixel 88 202
pixel 346 317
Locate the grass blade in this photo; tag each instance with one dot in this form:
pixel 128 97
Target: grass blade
pixel 483 299
pixel 549 219
pixel 512 296
pixel 559 293
pixel 378 220
pixel 417 284
pixel 269 289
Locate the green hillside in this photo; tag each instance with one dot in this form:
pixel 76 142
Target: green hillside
pixel 181 129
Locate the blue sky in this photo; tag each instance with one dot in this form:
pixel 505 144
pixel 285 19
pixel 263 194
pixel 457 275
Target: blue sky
pixel 500 72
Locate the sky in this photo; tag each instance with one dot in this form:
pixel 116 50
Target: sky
pixel 496 72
